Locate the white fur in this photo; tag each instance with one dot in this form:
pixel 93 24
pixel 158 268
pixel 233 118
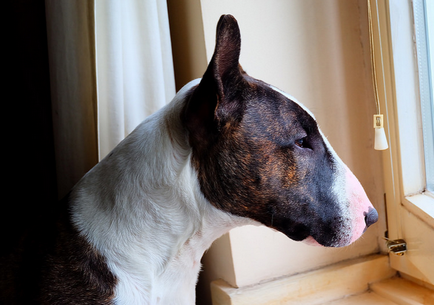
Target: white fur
pixel 142 208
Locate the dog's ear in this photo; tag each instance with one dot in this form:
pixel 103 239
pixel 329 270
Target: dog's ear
pixel 224 65
pixel 215 101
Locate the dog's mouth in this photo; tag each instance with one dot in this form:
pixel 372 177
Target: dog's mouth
pixel 336 242
pixel 311 242
pixel 334 238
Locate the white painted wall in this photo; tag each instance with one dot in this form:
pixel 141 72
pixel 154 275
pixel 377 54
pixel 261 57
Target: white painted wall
pixel 317 51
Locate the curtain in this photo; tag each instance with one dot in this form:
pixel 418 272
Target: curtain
pixel 110 67
pixel 71 56
pixel 134 65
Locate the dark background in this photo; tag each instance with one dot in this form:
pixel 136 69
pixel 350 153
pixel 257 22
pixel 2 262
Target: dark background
pixel 30 191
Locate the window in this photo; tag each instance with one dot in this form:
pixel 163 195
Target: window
pixel 405 90
pixel 424 33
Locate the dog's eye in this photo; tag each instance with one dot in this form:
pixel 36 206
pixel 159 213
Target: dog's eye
pixel 301 142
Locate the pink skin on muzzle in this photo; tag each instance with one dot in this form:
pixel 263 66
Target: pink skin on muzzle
pixel 360 205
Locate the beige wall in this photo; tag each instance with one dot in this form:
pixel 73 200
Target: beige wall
pixel 317 51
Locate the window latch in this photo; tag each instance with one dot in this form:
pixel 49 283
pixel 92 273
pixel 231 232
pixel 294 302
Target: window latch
pixel 396 246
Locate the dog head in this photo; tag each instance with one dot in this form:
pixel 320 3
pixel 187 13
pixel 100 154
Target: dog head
pixel 260 154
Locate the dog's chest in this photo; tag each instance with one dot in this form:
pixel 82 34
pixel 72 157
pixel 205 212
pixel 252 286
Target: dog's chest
pixel 173 284
pixel 176 285
pixel 181 277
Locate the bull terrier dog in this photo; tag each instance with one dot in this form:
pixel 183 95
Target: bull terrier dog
pixel 229 150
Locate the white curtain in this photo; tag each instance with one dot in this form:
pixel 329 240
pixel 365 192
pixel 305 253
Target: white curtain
pixel 110 67
pixel 134 65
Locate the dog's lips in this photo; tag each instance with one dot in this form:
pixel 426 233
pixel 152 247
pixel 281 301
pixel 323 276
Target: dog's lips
pixel 311 242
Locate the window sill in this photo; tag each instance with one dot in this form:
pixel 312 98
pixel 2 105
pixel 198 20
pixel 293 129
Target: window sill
pixel 367 280
pixel 421 205
pixel 320 286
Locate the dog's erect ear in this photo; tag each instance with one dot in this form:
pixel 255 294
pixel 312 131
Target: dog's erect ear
pixel 224 64
pixel 214 100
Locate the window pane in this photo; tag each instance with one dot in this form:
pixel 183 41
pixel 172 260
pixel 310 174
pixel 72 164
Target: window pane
pixel 424 28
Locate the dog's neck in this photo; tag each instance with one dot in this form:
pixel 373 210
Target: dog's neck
pixel 150 209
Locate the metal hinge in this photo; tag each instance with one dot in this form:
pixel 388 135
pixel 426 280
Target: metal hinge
pixel 396 246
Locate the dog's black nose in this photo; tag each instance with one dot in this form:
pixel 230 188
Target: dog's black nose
pixel 371 217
